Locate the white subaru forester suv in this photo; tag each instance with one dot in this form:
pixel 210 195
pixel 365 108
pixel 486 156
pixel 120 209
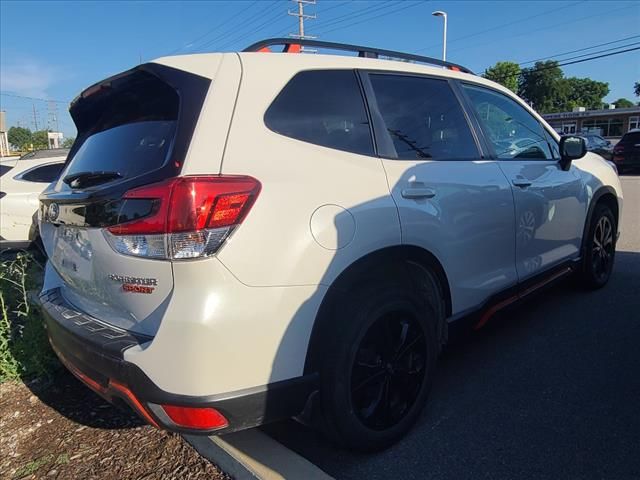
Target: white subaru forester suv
pixel 238 238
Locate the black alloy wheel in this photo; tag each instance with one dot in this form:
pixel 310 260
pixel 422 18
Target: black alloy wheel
pixel 378 355
pixel 603 249
pixel 388 370
pixel 600 248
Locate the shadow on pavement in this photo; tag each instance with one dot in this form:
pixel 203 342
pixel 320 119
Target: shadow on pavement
pixel 549 389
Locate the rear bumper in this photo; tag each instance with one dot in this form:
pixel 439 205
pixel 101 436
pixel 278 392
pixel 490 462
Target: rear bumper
pixel 93 352
pixel 14 244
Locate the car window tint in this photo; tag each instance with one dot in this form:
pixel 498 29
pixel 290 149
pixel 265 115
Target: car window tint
pixel 423 118
pixel 4 169
pixel 43 174
pixel 323 107
pixel 132 130
pixel 511 129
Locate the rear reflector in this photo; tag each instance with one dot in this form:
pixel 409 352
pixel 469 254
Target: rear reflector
pixel 191 217
pixel 205 418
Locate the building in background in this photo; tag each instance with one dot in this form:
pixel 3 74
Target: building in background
pixel 610 123
pixel 55 139
pixel 4 139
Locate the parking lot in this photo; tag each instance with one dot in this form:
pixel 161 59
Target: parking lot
pixel 549 390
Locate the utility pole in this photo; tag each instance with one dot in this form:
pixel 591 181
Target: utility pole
pixel 301 18
pixel 52 116
pixel 35 119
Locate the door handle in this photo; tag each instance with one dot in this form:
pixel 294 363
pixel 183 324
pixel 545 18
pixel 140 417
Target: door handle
pixel 417 193
pixel 522 183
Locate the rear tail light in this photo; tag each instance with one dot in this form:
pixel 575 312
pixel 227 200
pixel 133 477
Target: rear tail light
pixel 196 418
pixel 191 217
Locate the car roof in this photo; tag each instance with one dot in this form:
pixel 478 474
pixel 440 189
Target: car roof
pixel 46 153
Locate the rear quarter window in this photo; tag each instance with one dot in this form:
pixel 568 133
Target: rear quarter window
pixel 323 107
pixel 43 174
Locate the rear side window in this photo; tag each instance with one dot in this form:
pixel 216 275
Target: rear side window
pixel 323 107
pixel 4 169
pixel 631 137
pixel 43 174
pixel 132 130
pixel 423 118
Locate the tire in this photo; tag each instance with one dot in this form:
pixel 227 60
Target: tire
pixel 379 361
pixel 600 248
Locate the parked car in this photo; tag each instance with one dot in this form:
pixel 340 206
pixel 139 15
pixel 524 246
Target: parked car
pixel 21 183
pixel 626 153
pixel 244 237
pixel 597 144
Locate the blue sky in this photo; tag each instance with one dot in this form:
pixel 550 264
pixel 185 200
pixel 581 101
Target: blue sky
pixel 52 50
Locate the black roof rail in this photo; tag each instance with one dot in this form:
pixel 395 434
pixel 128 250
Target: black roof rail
pixel 368 52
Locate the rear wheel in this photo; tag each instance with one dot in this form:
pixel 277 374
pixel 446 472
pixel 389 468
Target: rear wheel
pixel 378 367
pixel 600 248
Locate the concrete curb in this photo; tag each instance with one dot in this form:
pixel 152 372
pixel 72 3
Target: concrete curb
pixel 251 455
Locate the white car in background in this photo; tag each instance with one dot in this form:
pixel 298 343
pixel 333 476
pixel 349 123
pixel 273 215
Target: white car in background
pixel 22 180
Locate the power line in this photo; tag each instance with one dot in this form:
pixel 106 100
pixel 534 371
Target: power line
pixel 355 14
pixel 594 53
pixel 388 12
pixel 274 18
pixel 34 98
pixel 529 32
pixel 513 22
pixel 541 69
pixel 581 49
pixel 321 12
pixel 259 15
pixel 217 27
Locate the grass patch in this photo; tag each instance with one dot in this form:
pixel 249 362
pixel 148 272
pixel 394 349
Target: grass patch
pixel 33 466
pixel 24 348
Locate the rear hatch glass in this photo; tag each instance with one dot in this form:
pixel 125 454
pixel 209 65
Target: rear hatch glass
pixel 133 130
pixel 130 135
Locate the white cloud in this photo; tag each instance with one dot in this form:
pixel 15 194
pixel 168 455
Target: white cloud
pixel 27 78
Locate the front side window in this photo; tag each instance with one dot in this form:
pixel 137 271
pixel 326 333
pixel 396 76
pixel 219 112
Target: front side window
pixel 323 107
pixel 423 118
pixel 512 131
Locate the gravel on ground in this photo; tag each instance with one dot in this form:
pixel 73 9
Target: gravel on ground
pixel 62 430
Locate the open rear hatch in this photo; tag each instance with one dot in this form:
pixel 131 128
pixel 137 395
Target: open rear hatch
pixel 134 130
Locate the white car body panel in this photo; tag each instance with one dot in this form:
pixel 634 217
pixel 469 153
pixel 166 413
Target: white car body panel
pixel 20 203
pixel 243 318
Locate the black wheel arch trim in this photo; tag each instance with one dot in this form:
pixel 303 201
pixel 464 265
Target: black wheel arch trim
pixel 595 200
pixel 358 270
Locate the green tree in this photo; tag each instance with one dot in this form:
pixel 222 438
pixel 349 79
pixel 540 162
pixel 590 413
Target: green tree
pixel 19 137
pixel 623 103
pixel 636 89
pixel 68 142
pixel 505 73
pixel 583 92
pixel 542 86
pixel 40 139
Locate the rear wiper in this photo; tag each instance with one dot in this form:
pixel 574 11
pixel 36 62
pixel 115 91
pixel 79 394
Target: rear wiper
pixel 87 179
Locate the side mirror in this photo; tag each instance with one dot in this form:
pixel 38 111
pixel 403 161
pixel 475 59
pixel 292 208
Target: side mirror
pixel 571 148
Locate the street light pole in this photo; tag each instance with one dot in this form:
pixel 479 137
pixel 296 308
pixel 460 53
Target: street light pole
pixel 440 13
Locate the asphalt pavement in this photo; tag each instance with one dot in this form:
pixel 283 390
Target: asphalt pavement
pixel 549 390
